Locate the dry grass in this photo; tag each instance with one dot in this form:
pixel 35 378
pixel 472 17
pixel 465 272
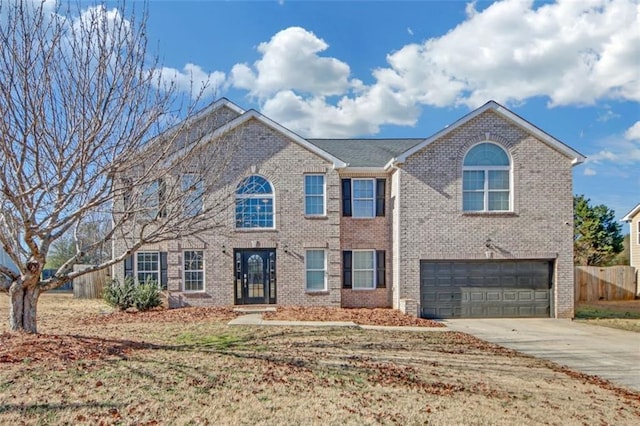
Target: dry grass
pixel 622 314
pixel 194 369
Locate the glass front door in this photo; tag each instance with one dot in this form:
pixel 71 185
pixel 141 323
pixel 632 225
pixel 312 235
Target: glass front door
pixel 255 273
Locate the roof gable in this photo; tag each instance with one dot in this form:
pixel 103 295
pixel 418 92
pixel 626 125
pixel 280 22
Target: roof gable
pixel 575 156
pixel 629 216
pixel 255 115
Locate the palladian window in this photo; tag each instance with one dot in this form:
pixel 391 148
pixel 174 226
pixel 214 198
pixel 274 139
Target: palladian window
pixel 254 203
pixel 486 179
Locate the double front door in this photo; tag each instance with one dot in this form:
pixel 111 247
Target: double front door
pixel 255 276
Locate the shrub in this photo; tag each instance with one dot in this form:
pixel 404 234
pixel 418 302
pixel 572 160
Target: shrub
pixel 129 294
pixel 120 296
pixel 147 296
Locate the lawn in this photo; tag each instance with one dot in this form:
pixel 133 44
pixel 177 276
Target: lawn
pixel 622 314
pixel 188 367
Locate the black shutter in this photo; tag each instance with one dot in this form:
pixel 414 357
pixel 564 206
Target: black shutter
pixel 128 266
pixel 380 189
pixel 346 269
pixel 346 197
pixel 162 198
pixel 380 269
pixel 163 270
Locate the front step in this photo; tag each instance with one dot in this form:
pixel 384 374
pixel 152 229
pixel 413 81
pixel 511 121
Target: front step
pixel 258 309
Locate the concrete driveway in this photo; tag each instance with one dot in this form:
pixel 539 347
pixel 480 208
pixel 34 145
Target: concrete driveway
pixel 605 352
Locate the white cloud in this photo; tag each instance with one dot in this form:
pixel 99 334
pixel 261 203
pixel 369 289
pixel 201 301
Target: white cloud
pixel 590 172
pixel 191 79
pixel 633 132
pixel 617 150
pixel 291 61
pixel 569 52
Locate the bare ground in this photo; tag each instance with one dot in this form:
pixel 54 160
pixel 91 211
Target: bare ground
pixel 189 367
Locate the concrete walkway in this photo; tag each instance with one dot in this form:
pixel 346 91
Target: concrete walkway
pixel 256 319
pixel 601 351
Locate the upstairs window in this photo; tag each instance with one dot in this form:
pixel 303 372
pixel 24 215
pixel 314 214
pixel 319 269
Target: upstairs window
pixel 191 187
pixel 254 203
pixel 152 200
pixel 363 198
pixel 486 179
pixel 314 195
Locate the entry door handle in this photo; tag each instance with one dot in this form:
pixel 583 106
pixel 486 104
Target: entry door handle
pixel 246 281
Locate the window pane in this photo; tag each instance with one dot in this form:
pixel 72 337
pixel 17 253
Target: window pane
pixel 363 208
pixel 151 199
pixel 473 180
pixel 314 195
pixel 499 200
pixel 363 260
pixel 254 213
pixel 254 203
pixel 148 266
pixel 315 259
pixel 314 185
pixel 254 185
pixel 473 201
pixel 192 188
pixel 498 179
pixel 315 280
pixel 486 154
pixel 363 188
pixel 314 205
pixel 362 279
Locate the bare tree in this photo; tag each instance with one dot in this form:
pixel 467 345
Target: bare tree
pixel 81 108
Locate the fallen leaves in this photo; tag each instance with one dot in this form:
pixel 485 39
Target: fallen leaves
pixel 360 316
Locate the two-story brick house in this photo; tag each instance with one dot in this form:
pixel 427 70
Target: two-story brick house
pixel 473 221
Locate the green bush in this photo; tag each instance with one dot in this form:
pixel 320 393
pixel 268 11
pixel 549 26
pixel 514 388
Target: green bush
pixel 120 296
pixel 131 294
pixel 147 296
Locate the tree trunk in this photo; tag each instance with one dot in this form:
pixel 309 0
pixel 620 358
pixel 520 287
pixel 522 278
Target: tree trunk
pixel 22 312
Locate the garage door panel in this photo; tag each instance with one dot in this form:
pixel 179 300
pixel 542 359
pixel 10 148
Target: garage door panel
pixel 513 288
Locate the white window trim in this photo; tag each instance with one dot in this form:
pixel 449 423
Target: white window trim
pixel 248 196
pixel 353 271
pixel 324 195
pixel 158 271
pixel 184 273
pixel 324 271
pixel 486 189
pixel 353 198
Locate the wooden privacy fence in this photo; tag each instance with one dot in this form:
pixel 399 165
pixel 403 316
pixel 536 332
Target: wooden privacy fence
pixel 605 283
pixel 89 286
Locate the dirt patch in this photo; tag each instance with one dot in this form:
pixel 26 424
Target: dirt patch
pixel 361 316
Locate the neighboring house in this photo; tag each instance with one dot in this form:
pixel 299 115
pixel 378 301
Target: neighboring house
pixel 474 221
pixel 633 218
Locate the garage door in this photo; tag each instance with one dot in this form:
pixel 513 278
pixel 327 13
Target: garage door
pixel 485 289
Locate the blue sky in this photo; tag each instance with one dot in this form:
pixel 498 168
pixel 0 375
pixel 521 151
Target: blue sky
pixel 407 69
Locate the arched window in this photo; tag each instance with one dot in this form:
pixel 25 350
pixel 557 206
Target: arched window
pixel 486 179
pixel 254 203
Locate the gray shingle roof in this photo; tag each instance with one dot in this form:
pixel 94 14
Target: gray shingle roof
pixel 365 152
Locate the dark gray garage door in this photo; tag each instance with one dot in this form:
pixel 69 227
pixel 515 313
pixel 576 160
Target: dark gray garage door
pixel 485 289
